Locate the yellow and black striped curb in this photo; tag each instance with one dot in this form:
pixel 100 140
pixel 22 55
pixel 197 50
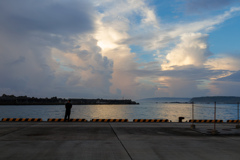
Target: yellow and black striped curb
pixel 233 121
pixel 22 119
pixel 150 120
pixel 62 120
pixel 206 121
pixel 109 120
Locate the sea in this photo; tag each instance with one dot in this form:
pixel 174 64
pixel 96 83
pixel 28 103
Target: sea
pixel 170 109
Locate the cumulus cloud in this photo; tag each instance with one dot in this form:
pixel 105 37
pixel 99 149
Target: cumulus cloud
pixel 46 50
pixel 192 50
pixel 83 49
pixel 113 27
pixel 117 30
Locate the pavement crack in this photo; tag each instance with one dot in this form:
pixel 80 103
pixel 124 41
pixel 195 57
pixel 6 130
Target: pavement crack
pixel 120 141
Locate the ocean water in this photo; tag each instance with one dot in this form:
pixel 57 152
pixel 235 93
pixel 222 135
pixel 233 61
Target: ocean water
pixel 145 110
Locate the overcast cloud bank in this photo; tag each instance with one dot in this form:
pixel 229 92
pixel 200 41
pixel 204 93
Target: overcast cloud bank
pixel 88 49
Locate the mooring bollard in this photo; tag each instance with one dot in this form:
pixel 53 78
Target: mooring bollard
pixel 180 119
pixel 193 126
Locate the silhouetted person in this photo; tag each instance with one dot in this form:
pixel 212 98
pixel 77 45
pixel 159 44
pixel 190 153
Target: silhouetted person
pixel 68 107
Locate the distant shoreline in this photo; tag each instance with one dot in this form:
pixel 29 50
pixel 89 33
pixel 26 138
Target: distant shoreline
pixel 24 100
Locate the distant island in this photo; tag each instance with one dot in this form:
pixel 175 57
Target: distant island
pixel 217 99
pixel 207 99
pixel 24 100
pixel 166 100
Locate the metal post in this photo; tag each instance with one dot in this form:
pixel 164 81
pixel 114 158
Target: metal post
pixel 193 110
pixel 193 126
pixel 214 115
pixel 237 126
pixel 238 113
pixel 214 131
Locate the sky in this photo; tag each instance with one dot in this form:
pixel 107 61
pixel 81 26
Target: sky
pixel 116 49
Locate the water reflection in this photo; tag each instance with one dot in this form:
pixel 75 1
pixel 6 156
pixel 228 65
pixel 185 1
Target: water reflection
pixel 99 111
pixel 143 111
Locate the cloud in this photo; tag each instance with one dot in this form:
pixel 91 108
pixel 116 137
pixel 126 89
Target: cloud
pixel 161 36
pixel 235 77
pixel 224 62
pixel 47 50
pixel 117 29
pixel 61 18
pixel 224 88
pixel 192 50
pixel 83 49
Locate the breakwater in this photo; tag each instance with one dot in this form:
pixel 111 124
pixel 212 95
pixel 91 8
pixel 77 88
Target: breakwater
pixel 24 100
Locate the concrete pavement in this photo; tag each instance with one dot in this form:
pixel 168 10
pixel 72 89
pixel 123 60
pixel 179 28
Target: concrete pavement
pixel 109 141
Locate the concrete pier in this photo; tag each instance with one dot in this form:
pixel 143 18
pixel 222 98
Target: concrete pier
pixel 117 141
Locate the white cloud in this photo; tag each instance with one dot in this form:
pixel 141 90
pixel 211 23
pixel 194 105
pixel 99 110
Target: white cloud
pixel 224 62
pixel 192 50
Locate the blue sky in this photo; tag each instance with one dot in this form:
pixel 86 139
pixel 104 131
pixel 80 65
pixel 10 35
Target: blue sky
pixel 126 48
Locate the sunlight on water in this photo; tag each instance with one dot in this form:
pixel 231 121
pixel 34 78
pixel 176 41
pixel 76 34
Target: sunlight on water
pixel 146 110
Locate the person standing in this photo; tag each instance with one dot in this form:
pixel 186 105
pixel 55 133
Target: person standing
pixel 68 107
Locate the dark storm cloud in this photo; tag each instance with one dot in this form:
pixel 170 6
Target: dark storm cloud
pixel 197 6
pixel 58 17
pixel 28 31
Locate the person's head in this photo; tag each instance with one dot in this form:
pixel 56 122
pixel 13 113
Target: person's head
pixel 69 101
